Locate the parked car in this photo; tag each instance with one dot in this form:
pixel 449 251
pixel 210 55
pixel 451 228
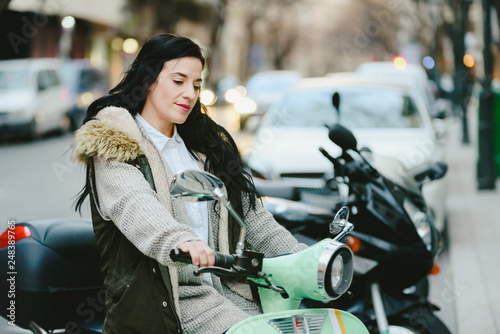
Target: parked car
pixel 390 119
pixel 265 88
pixel 32 100
pixel 85 83
pixel 416 75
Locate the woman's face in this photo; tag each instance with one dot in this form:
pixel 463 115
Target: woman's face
pixel 172 97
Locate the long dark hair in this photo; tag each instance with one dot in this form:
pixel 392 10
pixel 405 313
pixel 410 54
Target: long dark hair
pixel 199 132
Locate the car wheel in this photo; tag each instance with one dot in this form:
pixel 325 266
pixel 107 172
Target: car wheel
pixel 33 131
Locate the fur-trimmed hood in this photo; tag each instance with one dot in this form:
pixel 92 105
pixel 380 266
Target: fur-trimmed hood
pixel 113 134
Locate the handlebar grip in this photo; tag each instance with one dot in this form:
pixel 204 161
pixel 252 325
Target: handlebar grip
pixel 178 255
pixel 221 260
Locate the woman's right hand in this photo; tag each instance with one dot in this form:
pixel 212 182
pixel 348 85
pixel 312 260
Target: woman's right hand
pixel 201 254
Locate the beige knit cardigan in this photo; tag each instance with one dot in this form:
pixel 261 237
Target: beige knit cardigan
pixel 154 221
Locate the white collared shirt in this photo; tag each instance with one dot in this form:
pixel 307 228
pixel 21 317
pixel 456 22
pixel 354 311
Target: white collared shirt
pixel 177 156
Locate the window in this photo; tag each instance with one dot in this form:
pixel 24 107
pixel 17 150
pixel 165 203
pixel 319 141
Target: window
pixel 14 79
pixel 360 107
pixel 47 79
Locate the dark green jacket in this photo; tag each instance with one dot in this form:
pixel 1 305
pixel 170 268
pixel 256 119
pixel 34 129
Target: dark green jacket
pixel 138 293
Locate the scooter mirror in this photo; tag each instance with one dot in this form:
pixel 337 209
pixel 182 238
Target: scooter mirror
pixel 342 137
pixel 199 186
pixel 342 214
pixel 195 186
pixel 340 225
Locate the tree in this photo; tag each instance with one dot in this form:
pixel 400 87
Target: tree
pixel 150 17
pixel 367 30
pixel 271 25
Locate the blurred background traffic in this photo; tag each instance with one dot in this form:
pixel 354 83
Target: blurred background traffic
pixel 58 56
pixel 243 38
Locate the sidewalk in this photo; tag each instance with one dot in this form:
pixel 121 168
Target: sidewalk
pixel 470 293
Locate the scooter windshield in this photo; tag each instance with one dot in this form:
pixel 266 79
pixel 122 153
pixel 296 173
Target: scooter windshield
pixel 394 170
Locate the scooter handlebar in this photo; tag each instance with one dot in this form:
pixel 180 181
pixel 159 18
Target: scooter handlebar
pixel 360 172
pixel 221 260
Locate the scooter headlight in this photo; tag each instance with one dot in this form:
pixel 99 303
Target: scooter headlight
pixel 335 270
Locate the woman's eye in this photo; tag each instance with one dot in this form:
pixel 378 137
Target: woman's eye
pixel 178 82
pixel 197 87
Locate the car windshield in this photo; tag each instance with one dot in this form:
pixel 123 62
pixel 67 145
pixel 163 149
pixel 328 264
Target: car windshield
pixel 360 107
pixel 14 79
pixel 80 79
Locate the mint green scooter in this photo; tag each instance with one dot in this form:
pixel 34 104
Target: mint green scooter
pixel 321 272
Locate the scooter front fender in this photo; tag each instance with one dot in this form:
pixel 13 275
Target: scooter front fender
pixel 313 321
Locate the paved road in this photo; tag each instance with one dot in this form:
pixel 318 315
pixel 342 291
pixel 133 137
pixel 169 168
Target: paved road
pixel 38 180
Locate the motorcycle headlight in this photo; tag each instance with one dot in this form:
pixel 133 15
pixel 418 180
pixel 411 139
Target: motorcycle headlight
pixel 335 270
pixel 419 219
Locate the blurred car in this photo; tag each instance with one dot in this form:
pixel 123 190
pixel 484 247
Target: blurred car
pixel 264 89
pixel 32 100
pixel 413 73
pixel 390 119
pixel 85 84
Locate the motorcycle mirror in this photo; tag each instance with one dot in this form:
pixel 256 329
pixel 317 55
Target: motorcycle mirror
pixel 343 137
pixel 195 186
pixel 336 102
pixel 435 171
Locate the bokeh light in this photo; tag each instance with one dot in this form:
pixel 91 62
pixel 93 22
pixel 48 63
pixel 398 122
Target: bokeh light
pixel 399 63
pixel 242 90
pixel 245 105
pixel 232 95
pixel 68 22
pixel 469 60
pixel 130 46
pixel 428 62
pixel 207 97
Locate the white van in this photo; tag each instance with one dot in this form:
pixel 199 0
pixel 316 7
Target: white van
pixel 32 100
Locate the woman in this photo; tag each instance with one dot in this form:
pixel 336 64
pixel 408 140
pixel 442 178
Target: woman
pixel 133 141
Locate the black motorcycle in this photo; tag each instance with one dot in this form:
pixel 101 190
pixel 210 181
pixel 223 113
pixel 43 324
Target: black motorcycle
pixel 395 243
pixel 50 278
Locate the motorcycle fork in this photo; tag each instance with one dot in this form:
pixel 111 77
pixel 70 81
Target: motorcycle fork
pixel 378 306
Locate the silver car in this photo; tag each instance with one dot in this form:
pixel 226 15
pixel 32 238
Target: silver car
pixel 391 119
pixel 32 100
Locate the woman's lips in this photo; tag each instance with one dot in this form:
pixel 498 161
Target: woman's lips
pixel 184 107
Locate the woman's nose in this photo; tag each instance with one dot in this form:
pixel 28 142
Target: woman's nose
pixel 191 93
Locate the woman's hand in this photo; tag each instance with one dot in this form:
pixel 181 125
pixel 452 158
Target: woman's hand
pixel 201 254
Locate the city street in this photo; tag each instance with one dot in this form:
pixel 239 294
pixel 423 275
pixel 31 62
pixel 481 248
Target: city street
pixel 416 82
pixel 39 180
